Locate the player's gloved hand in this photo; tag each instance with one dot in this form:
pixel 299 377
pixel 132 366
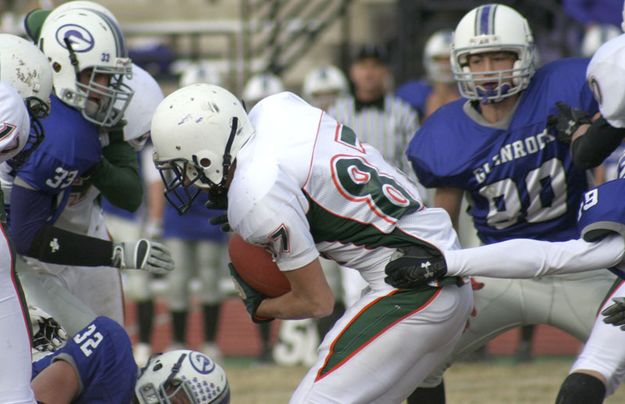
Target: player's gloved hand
pixel 250 296
pixel 48 335
pixel 615 314
pixel 222 222
pixel 414 266
pixel 566 121
pixel 143 254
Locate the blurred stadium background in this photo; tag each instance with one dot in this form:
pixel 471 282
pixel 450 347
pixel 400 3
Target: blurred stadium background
pixel 289 37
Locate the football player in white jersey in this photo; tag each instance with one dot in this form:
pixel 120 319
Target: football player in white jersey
pixel 299 183
pixel 25 86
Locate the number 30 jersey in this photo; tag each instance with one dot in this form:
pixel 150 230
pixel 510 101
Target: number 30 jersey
pixel 305 184
pixel 520 180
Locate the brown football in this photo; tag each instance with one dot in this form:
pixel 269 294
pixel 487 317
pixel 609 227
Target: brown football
pixel 255 265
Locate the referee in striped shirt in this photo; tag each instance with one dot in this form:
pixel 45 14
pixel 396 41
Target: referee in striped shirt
pixel 374 113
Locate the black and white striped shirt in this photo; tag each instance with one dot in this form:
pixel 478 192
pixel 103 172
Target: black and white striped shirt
pixel 388 129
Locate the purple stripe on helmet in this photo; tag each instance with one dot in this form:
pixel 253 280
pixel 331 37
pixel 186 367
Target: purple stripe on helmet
pixel 485 21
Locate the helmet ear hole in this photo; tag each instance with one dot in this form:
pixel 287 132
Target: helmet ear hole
pixel 205 162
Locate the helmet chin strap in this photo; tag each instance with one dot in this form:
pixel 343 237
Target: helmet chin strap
pixel 218 191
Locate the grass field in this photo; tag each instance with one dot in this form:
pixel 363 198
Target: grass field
pixel 497 382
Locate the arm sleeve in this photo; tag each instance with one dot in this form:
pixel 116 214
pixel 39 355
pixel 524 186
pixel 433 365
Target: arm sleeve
pixel 117 176
pixel 525 258
pixel 600 140
pixel 33 236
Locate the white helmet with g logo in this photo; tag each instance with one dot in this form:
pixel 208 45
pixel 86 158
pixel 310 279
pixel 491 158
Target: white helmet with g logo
pixel 197 133
pixel 182 376
pixel 492 28
pixel 79 39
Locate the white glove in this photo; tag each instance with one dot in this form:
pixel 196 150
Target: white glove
pixel 48 335
pixel 143 254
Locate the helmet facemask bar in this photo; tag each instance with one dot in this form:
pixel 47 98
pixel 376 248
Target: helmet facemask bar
pixel 479 85
pixel 112 99
pixel 180 191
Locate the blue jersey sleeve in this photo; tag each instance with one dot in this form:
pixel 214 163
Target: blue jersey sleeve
pixel 101 354
pixel 601 211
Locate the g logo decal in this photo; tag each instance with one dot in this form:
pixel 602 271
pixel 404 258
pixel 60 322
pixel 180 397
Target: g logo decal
pixel 81 40
pixel 201 363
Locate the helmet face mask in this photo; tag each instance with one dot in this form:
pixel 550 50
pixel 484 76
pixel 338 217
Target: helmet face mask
pixel 182 376
pixel 83 46
pixel 489 29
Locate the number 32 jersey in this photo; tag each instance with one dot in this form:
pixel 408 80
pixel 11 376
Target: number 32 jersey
pixel 520 180
pixel 305 184
pixel 101 354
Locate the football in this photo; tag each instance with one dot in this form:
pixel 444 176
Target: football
pixel 255 265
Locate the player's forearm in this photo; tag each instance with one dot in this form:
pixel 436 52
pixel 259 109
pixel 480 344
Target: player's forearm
pixel 291 307
pixel 599 141
pixel 524 258
pixel 117 177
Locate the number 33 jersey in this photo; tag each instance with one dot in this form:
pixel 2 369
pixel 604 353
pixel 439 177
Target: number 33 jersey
pixel 521 181
pixel 305 184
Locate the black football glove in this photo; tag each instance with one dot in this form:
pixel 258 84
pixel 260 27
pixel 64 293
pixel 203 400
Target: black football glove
pixel 615 314
pixel 250 296
pixel 413 267
pixel 566 121
pixel 47 334
pixel 222 222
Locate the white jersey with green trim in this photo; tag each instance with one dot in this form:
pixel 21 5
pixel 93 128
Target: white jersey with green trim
pixel 304 184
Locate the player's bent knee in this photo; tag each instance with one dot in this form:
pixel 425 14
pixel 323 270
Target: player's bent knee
pixel 581 388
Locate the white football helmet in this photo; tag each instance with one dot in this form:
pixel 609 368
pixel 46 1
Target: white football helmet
pixel 27 70
pixel 438 46
pixel 324 84
pixel 260 86
pixel 14 122
pixel 80 39
pixel 197 133
pixel 202 72
pixel 596 35
pixel 147 96
pixel 182 376
pixel 84 4
pixel 492 28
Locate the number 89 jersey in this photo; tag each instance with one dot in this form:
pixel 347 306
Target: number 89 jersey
pixel 520 180
pixel 101 354
pixel 305 184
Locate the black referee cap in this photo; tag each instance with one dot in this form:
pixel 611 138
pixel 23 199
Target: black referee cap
pixel 371 51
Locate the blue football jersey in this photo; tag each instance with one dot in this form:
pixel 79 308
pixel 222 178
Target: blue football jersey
pixel 194 224
pixel 602 212
pixel 416 94
pixel 70 147
pixel 101 354
pixel 521 181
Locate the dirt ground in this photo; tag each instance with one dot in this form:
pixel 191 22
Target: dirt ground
pixel 497 382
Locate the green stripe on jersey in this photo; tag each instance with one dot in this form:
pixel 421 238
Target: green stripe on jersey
pixel 373 321
pixel 326 226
